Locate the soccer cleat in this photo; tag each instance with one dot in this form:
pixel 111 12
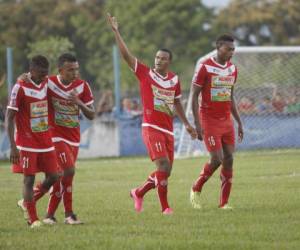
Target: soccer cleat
pixel 72 220
pixel 138 202
pixel 50 221
pixel 36 224
pixel 20 204
pixel 195 199
pixel 226 207
pixel 168 211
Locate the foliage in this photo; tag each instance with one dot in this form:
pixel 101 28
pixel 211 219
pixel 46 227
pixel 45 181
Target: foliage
pixel 176 25
pixel 186 27
pixel 262 22
pixel 52 48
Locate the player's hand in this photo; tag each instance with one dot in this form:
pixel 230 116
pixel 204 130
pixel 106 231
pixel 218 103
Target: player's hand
pixel 199 132
pixel 24 77
pixel 112 21
pixel 73 97
pixel 191 131
pixel 14 155
pixel 240 133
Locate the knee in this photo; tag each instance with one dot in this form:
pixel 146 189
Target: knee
pixel 164 165
pixel 215 162
pixel 29 181
pixel 52 178
pixel 228 159
pixel 69 172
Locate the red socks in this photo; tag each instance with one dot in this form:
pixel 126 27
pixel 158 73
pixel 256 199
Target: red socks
pixel 55 198
pixel 39 191
pixel 159 179
pixel 204 176
pixel 67 193
pixel 148 185
pixel 31 210
pixel 226 178
pixel 162 188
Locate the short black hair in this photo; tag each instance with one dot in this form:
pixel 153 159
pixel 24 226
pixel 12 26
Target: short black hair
pixel 66 57
pixel 224 38
pixel 39 61
pixel 168 51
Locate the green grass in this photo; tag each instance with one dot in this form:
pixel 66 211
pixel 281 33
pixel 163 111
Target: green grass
pixel 265 195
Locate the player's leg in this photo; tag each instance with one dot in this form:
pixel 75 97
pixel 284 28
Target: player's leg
pixel 57 188
pixel 67 184
pixel 161 145
pixel 54 200
pixel 213 144
pixel 150 182
pixel 28 161
pixel 227 166
pixel 137 194
pixel 146 186
pixel 67 156
pixel 155 142
pixel 29 201
pixel 162 174
pixel 47 163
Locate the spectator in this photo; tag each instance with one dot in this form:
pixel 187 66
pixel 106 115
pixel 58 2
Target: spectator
pixel 265 107
pixel 247 105
pixel 136 109
pixel 105 104
pixel 293 106
pixel 278 101
pixel 126 109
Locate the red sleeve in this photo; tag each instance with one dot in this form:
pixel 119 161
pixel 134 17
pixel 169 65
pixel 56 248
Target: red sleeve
pixel 16 97
pixel 87 95
pixel 199 75
pixel 235 74
pixel 141 70
pixel 178 90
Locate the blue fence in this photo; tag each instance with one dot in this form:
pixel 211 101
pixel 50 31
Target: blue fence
pixel 261 132
pixel 271 131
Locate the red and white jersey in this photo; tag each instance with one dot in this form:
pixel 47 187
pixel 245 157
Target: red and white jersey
pixel 158 94
pixel 30 102
pixel 216 81
pixel 63 114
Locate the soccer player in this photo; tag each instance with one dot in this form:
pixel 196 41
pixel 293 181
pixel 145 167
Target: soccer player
pixel 214 79
pixel 33 149
pixel 160 94
pixel 67 95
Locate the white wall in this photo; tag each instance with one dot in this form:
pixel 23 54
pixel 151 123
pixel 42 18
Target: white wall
pixel 100 140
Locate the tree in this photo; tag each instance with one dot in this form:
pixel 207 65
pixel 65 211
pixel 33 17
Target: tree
pixel 146 26
pixel 52 48
pixel 264 22
pixel 183 26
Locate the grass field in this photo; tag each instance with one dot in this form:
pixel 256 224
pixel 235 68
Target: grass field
pixel 265 195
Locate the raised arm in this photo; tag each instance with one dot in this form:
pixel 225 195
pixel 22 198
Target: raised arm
pixel 195 108
pixel 128 57
pixel 236 115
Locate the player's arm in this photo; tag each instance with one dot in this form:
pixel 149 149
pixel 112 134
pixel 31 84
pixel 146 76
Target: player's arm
pixel 128 57
pixel 195 108
pixel 88 110
pixel 236 115
pixel 10 128
pixel 182 117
